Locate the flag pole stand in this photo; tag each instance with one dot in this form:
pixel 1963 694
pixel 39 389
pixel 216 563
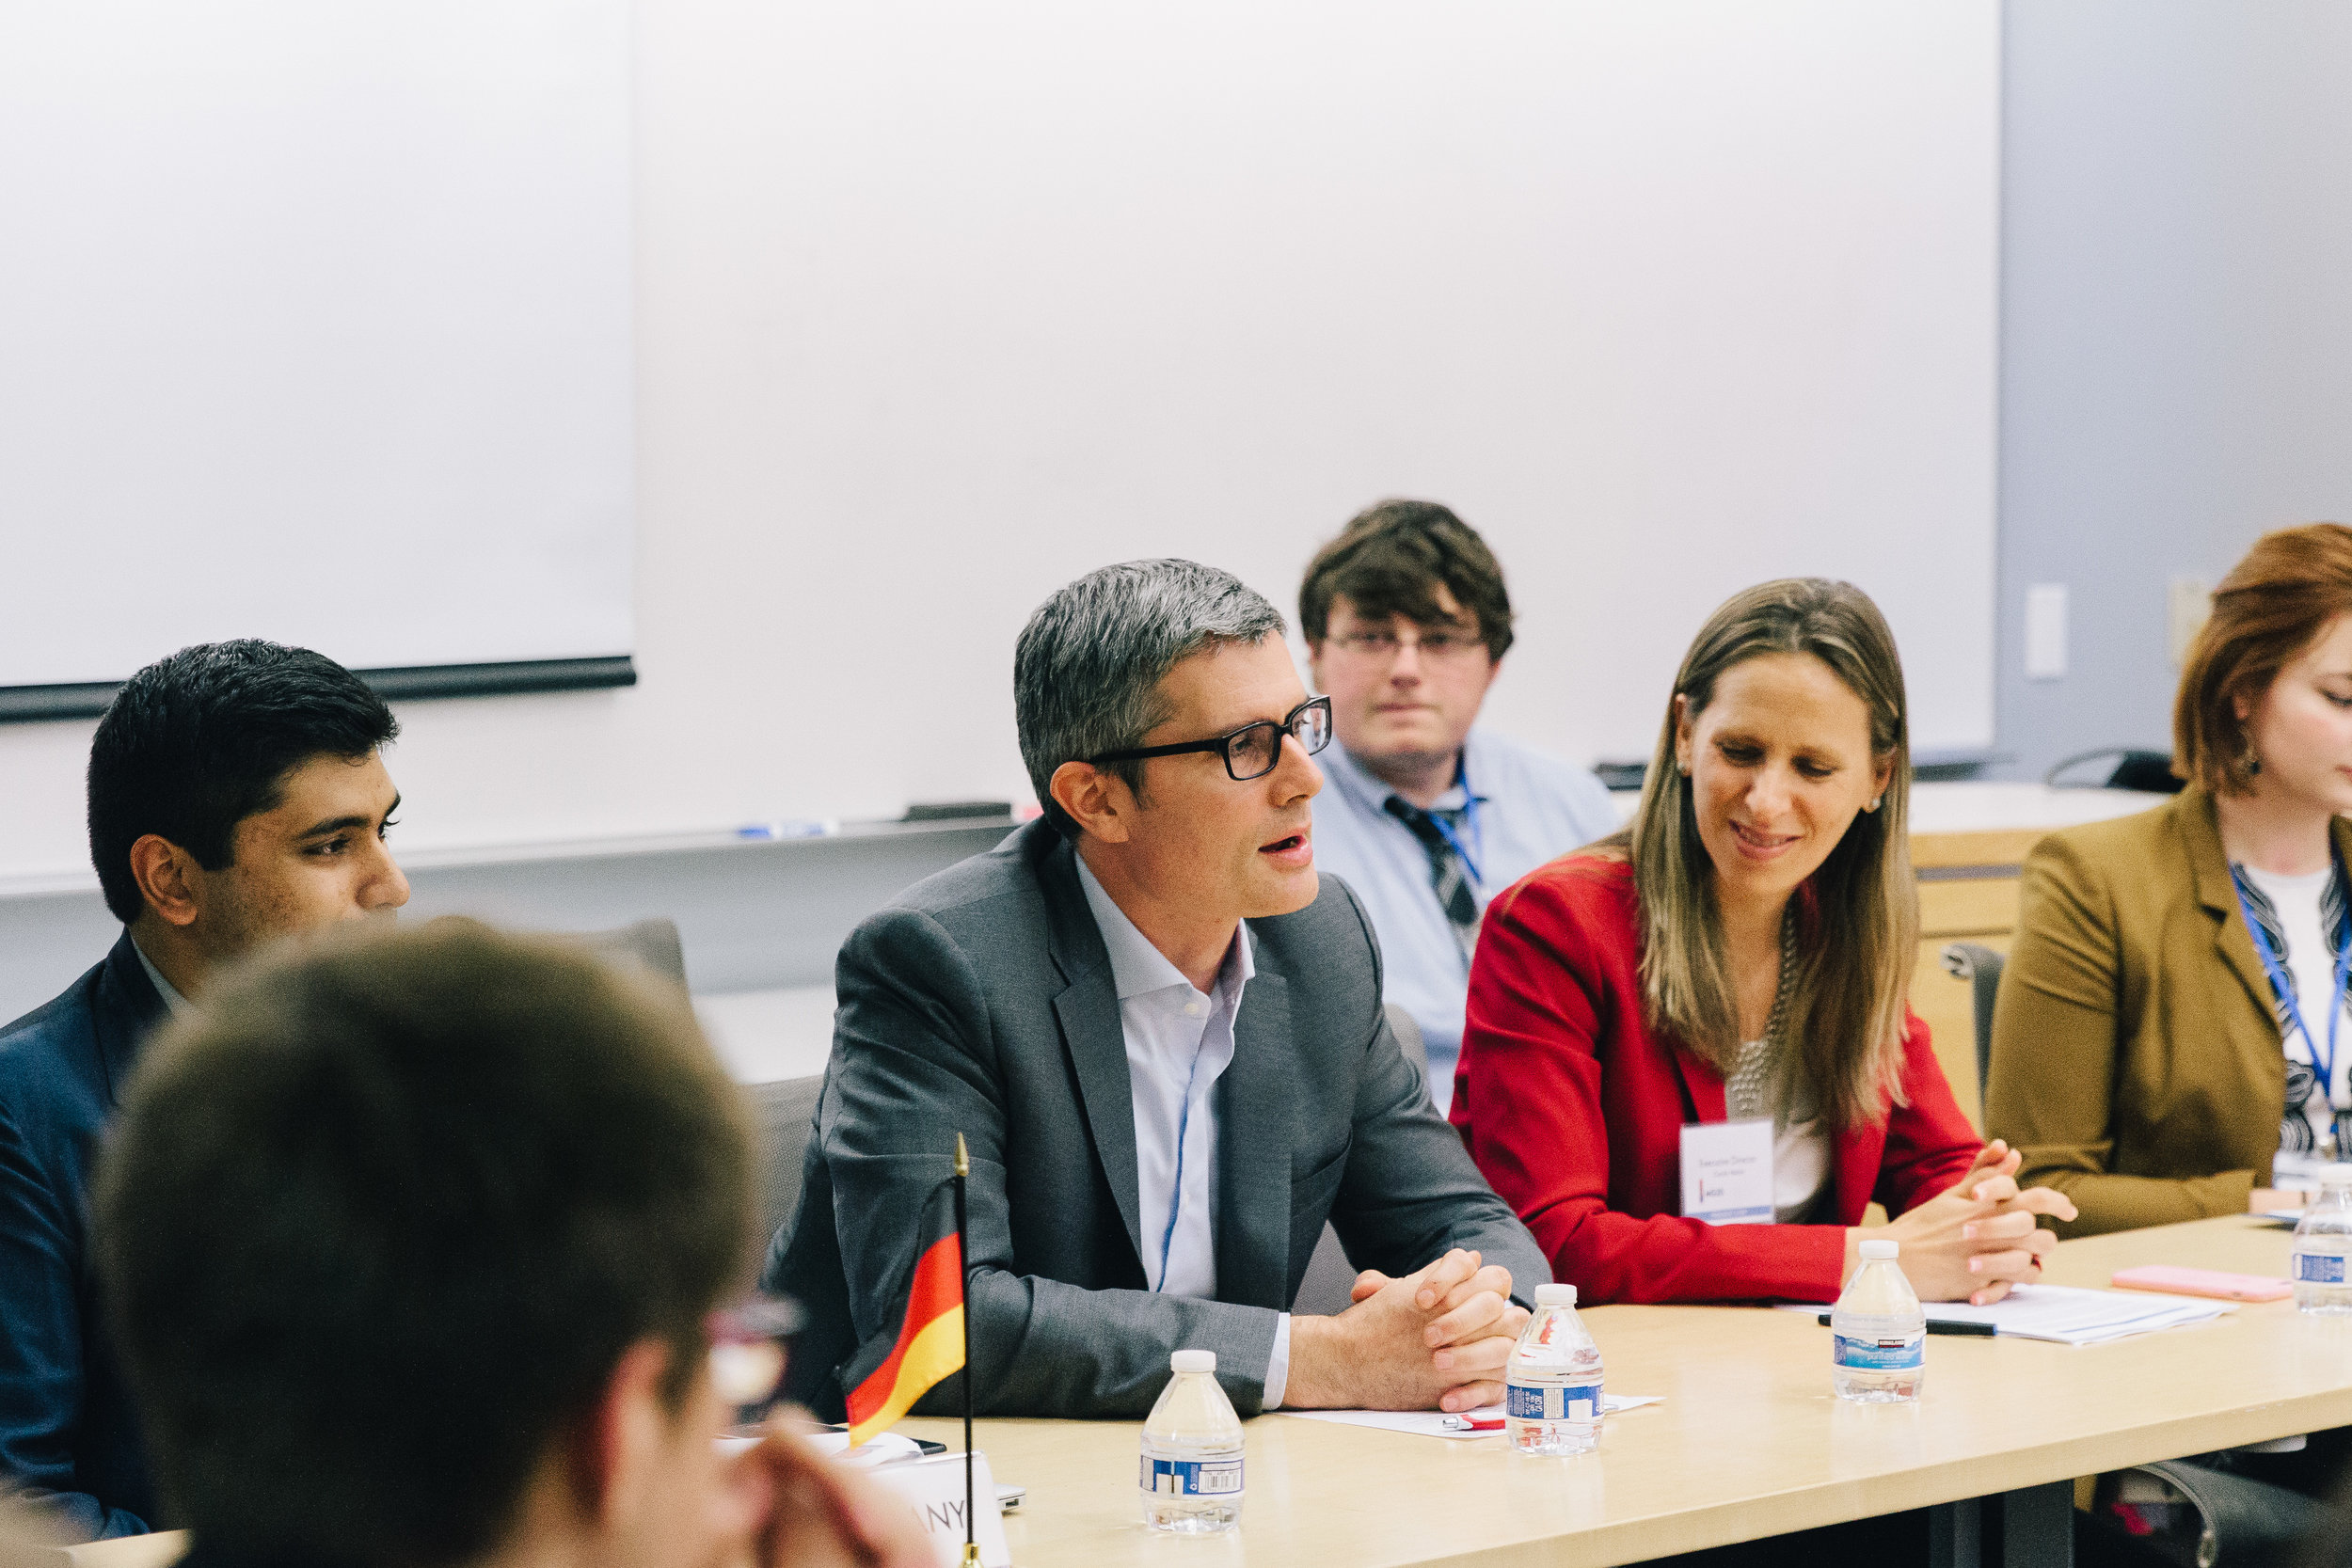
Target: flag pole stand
pixel 971 1524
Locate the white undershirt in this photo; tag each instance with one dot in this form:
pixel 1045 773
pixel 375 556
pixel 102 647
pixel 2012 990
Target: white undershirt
pixel 2296 902
pixel 1800 1161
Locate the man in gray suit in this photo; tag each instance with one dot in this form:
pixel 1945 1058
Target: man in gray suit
pixel 1163 1042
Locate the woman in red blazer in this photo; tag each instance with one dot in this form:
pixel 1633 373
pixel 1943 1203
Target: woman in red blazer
pixel 1747 946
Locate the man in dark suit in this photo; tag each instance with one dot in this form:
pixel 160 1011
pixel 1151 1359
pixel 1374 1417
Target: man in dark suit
pixel 236 794
pixel 1163 1042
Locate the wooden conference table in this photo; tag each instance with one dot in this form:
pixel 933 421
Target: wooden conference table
pixel 1749 1442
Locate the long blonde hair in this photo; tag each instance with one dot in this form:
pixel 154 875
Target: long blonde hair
pixel 1858 914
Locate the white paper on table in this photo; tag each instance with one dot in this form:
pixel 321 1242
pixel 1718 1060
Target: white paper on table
pixel 2068 1315
pixel 1430 1423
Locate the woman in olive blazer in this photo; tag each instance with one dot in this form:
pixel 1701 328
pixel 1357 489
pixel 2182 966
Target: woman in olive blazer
pixel 2136 1055
pixel 2144 1052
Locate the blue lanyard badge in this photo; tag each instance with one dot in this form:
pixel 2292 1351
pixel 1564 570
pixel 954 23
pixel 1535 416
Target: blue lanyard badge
pixel 2285 994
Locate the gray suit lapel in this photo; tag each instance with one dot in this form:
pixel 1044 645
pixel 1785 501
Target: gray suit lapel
pixel 1088 1008
pixel 1088 1011
pixel 1254 1130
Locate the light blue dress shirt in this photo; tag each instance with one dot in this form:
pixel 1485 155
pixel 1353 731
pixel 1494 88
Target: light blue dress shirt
pixel 1530 808
pixel 1179 1043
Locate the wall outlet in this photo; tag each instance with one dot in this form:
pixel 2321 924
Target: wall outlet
pixel 2045 631
pixel 2186 603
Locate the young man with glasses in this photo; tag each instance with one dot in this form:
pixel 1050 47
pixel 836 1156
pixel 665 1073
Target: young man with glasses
pixel 1163 1039
pixel 1428 817
pixel 420 1246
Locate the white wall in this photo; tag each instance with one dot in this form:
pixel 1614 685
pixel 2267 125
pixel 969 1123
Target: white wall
pixel 938 307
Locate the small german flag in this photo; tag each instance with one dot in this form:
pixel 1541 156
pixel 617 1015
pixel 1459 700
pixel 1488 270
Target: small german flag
pixel 930 1337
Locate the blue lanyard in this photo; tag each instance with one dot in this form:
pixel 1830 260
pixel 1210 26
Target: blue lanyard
pixel 1176 1191
pixel 1183 1132
pixel 1469 815
pixel 2285 992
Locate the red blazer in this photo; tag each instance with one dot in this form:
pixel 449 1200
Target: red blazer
pixel 1574 1111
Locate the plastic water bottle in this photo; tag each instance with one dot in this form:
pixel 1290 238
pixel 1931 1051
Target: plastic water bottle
pixel 2323 1240
pixel 1192 1451
pixel 1551 1401
pixel 1878 1335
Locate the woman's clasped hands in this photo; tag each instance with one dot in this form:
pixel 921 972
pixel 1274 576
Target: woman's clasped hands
pixel 1976 1238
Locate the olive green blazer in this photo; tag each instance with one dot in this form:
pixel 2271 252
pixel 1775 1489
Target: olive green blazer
pixel 2136 1055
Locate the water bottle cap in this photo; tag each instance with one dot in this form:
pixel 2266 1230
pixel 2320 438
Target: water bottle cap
pixel 1555 1295
pixel 1193 1361
pixel 1877 1252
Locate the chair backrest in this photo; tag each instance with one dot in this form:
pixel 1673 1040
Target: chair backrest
pixel 1408 1035
pixel 652 942
pixel 1980 966
pixel 1323 1290
pixel 784 1113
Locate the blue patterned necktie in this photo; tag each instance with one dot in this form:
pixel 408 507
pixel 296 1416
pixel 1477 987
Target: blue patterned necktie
pixel 1447 873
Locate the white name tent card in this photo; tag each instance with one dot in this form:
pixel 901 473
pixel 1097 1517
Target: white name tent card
pixel 1727 1171
pixel 933 1488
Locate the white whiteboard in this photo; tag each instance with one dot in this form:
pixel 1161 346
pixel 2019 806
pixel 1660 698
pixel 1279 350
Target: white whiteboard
pixel 314 325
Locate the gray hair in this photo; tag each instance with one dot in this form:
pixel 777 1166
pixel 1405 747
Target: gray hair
pixel 1086 672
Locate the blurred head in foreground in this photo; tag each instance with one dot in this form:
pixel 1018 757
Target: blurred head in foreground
pixel 414 1241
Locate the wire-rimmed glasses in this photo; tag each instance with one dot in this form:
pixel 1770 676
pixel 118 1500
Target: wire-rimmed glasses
pixel 1382 647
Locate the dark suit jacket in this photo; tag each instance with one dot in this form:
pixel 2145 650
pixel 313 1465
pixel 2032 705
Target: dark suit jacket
pixel 981 1003
pixel 66 1423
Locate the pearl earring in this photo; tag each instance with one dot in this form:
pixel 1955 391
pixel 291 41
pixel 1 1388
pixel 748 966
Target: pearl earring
pixel 1874 802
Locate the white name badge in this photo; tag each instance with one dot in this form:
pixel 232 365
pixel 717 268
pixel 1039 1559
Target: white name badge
pixel 933 1488
pixel 1727 1171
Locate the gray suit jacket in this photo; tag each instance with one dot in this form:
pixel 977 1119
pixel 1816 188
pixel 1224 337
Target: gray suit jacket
pixel 980 1002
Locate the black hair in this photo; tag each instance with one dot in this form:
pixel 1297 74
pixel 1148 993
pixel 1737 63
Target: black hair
pixel 1391 560
pixel 195 743
pixel 382 1218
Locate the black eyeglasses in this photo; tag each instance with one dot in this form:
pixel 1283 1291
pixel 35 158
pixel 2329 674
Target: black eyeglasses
pixel 1250 752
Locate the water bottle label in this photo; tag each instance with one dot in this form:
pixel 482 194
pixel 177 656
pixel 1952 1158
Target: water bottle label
pixel 1880 1355
pixel 2319 1268
pixel 1548 1402
pixel 1192 1478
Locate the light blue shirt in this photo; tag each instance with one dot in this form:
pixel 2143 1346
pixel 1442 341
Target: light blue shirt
pixel 172 999
pixel 1179 1044
pixel 1530 808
